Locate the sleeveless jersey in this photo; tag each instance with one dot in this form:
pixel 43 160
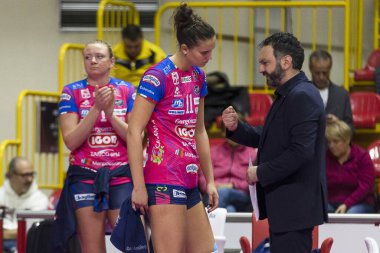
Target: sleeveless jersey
pixel 103 147
pixel 172 156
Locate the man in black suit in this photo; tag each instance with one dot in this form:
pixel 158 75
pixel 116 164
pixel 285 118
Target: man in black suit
pixel 335 98
pixel 289 171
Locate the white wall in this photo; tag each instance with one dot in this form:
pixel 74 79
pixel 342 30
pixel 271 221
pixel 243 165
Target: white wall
pixel 30 39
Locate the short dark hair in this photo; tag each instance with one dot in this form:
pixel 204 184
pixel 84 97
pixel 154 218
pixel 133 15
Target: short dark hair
pixel 190 28
pixel 320 55
pixel 286 44
pixel 132 32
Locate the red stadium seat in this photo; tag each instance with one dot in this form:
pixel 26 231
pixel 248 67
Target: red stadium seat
pixel 374 153
pixel 365 109
pixel 259 107
pixel 368 73
pixel 53 199
pixel 260 230
pixel 326 245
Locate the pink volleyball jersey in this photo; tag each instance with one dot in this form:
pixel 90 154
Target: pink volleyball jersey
pixel 103 147
pixel 172 156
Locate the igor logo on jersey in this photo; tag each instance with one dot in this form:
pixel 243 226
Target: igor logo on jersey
pixel 102 140
pixel 152 80
pixel 192 168
pixel 185 132
pixel 177 103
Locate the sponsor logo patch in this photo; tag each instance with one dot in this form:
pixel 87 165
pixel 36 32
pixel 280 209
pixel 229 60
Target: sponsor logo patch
pixel 186 79
pixel 177 103
pixel 176 112
pixel 85 93
pixel 84 196
pixel 102 140
pixel 184 132
pixel 192 168
pixel 152 80
pixel 65 96
pixel 175 78
pixel 119 102
pixel 196 89
pixel 84 113
pixel 179 194
pixel 119 112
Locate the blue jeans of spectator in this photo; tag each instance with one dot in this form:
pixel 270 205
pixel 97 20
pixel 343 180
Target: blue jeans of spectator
pixel 359 208
pixel 230 198
pixel 9 246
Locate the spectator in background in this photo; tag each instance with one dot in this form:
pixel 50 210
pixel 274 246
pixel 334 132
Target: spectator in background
pixel 134 55
pixel 350 172
pixel 335 98
pixel 230 162
pixel 19 192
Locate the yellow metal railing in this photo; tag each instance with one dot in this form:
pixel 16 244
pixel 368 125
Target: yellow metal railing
pixel 112 16
pixel 30 132
pixel 8 150
pixel 376 32
pixel 70 64
pixel 237 39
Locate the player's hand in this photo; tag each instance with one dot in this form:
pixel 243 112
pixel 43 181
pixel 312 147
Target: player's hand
pixel 230 118
pixel 140 200
pixel 110 103
pixel 213 197
pixel 103 97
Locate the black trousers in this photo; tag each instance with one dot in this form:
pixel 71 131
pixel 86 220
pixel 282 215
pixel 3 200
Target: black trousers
pixel 299 241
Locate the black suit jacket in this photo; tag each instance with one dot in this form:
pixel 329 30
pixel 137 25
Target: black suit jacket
pixel 338 103
pixel 291 157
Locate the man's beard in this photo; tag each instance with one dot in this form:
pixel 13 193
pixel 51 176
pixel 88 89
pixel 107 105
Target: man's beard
pixel 274 78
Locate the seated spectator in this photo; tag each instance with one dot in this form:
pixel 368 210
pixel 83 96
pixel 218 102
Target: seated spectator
pixel 335 98
pixel 350 172
pixel 134 55
pixel 230 163
pixel 19 192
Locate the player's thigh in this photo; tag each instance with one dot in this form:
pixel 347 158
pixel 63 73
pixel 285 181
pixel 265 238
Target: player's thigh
pixel 168 223
pixel 200 238
pixel 90 228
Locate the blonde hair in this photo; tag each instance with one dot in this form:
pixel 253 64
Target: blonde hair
pixel 338 129
pixel 108 46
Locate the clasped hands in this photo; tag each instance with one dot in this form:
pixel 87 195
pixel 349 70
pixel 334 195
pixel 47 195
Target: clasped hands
pixel 105 99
